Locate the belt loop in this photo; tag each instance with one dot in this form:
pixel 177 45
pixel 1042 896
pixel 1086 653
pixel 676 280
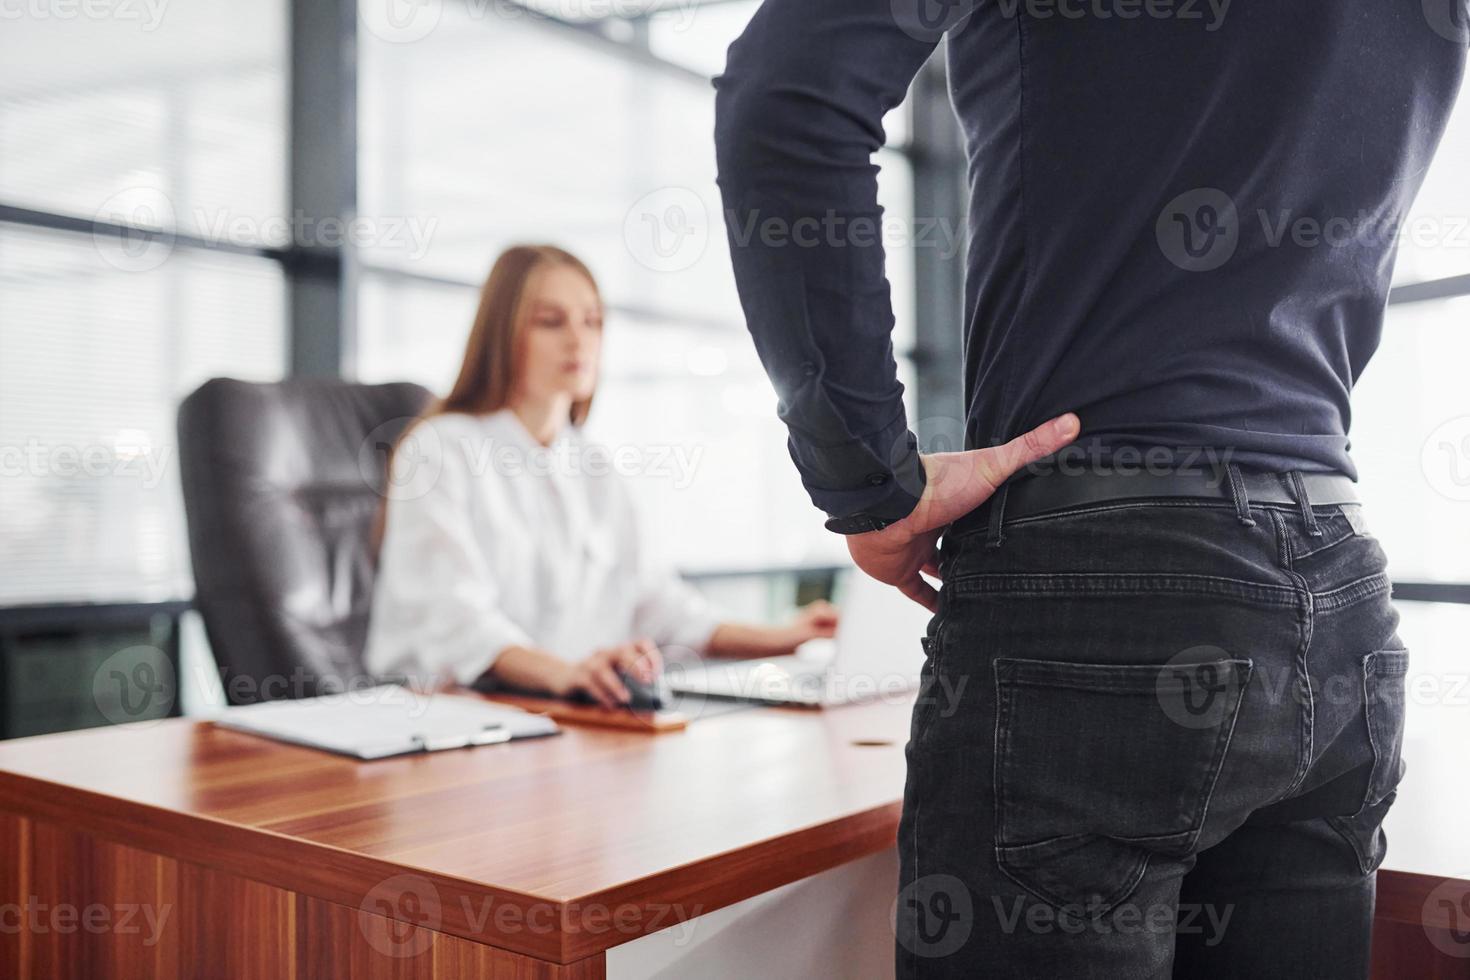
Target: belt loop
pixel 994 536
pixel 1238 495
pixel 1299 490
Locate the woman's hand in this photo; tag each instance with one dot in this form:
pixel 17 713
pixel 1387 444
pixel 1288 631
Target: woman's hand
pixel 748 640
pixel 813 620
pixel 597 676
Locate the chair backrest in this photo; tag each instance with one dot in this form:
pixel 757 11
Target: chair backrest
pixel 282 488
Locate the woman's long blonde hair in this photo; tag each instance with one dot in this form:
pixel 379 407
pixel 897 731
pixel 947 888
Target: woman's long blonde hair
pixel 488 374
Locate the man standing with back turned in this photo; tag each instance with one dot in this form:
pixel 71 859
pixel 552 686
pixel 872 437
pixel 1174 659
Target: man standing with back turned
pixel 1180 688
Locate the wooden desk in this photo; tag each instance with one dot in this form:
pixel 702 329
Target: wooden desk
pixel 529 859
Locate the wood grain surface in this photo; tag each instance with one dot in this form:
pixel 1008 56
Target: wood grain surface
pixel 555 848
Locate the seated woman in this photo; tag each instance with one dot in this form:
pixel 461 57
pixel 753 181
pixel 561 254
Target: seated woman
pixel 508 553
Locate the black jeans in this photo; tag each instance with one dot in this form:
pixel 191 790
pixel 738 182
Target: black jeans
pixel 1154 739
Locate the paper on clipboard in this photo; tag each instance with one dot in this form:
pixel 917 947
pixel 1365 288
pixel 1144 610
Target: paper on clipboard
pixel 385 721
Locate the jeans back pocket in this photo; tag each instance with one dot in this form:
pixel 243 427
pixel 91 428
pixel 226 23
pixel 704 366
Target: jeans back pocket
pixel 1383 706
pixel 1383 718
pixel 1098 767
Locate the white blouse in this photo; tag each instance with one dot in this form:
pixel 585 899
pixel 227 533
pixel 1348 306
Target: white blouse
pixel 493 540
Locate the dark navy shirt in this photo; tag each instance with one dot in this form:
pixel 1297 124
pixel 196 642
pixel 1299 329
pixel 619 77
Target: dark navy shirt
pixel 1183 217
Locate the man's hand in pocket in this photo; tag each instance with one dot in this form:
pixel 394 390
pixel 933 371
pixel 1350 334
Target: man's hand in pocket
pixel 957 483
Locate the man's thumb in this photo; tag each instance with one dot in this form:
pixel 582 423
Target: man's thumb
pixel 960 482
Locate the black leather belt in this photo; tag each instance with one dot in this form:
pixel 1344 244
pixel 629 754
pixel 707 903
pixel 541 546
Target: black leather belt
pixel 1032 496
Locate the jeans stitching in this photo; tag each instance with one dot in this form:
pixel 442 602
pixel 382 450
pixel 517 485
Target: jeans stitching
pixel 1060 903
pixel 1341 826
pixel 1306 605
pixel 1368 663
pixel 1218 763
pixel 925 712
pixel 1002 717
pixel 1354 592
pixel 1371 671
pixel 1084 509
pixel 1117 583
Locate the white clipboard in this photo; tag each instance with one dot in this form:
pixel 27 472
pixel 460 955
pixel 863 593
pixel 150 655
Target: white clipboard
pixel 385 721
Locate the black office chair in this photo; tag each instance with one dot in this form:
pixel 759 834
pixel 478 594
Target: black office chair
pixel 282 486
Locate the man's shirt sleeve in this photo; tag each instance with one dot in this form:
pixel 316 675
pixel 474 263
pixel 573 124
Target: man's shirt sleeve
pixel 798 117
